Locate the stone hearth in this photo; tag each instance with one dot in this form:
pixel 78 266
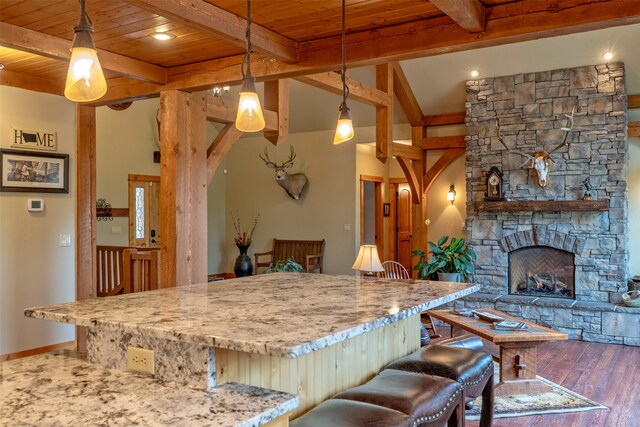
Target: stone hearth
pixel 530 110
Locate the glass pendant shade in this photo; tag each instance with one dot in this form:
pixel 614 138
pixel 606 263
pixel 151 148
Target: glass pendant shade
pixel 85 79
pixel 344 130
pixel 249 117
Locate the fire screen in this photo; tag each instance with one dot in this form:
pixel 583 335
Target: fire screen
pixel 542 271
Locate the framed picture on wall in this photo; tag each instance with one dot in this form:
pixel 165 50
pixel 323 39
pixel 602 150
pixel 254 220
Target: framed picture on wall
pixel 28 171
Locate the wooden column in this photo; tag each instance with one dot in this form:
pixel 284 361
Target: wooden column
pixel 419 228
pixel 384 114
pixel 183 188
pixel 86 256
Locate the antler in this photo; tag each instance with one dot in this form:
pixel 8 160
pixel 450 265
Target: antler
pixel 566 129
pixel 529 157
pixel 291 157
pixel 267 160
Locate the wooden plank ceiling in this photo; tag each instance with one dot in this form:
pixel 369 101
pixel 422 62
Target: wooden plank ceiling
pixel 290 37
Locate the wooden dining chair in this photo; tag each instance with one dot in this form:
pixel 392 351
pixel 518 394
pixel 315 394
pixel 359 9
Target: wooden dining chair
pixel 395 270
pixel 140 270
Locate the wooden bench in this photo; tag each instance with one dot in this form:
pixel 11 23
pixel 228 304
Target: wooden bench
pixel 307 253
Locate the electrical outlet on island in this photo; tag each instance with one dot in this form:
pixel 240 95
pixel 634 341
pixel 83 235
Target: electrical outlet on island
pixel 140 360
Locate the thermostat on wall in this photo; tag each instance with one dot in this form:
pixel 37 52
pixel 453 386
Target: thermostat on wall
pixel 35 205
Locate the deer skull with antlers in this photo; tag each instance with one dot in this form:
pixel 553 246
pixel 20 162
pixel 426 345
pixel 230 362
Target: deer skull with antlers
pixel 294 183
pixel 541 160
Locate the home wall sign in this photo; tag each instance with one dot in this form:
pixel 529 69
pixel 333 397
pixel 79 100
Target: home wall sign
pixel 33 139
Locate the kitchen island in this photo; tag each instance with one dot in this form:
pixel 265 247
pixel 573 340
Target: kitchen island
pixel 307 334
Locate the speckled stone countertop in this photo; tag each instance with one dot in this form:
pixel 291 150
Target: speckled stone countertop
pixel 59 389
pixel 282 314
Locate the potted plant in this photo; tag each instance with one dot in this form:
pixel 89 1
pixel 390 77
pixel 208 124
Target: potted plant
pixel 290 266
pixel 451 261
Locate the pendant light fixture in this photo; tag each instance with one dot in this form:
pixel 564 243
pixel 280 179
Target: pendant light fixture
pixel 249 117
pixel 85 79
pixel 344 130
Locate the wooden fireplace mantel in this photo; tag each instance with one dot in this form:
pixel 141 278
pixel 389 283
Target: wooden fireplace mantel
pixel 541 205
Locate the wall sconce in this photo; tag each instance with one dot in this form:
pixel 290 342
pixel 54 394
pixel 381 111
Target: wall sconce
pixel 451 195
pixel 368 261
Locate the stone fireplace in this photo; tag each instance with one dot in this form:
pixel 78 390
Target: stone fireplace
pixel 543 253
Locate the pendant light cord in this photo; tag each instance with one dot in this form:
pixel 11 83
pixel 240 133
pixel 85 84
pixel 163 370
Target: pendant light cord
pixel 85 23
pixel 345 88
pixel 246 60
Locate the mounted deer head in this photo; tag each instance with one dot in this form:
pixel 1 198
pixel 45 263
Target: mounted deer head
pixel 293 183
pixel 541 161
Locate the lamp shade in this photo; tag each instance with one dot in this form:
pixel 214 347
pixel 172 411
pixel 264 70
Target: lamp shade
pixel 344 130
pixel 249 117
pixel 368 260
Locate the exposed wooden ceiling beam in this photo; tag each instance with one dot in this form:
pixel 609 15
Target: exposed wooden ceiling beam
pixel 633 101
pixel 26 81
pixel 507 23
pixel 405 96
pixel 26 40
pixel 634 129
pixel 407 151
pixel 209 19
pixel 443 142
pixel 445 119
pixel 542 18
pixel 469 14
pixel 384 114
pixel 332 82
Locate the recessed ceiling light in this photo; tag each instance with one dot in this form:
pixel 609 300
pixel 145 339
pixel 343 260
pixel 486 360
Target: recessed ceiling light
pixel 160 35
pixel 607 56
pixel 474 73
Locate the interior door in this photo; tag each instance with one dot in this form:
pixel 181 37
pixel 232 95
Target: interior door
pixel 403 226
pixel 144 211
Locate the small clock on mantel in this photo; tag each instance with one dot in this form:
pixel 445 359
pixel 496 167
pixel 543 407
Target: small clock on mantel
pixel 495 190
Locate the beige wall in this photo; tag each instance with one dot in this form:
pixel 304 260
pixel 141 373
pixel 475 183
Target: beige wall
pixel 125 142
pixel 34 269
pixel 633 179
pixel 326 208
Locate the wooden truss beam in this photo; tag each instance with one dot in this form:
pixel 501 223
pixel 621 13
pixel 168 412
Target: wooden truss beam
pixel 219 148
pixel 25 81
pixel 26 40
pixel 360 92
pixel 412 179
pixel 443 142
pixel 445 159
pixel 209 19
pixel 276 98
pixel 405 96
pixel 469 14
pixel 445 119
pixel 634 129
pixel 633 101
pixel 407 151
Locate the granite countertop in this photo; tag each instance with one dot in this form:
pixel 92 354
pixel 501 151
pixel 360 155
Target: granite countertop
pixel 59 389
pixel 282 314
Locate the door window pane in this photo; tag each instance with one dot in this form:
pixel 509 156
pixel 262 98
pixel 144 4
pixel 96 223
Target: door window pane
pixel 139 213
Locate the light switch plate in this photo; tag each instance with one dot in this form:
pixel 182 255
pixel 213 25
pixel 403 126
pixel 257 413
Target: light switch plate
pixel 65 240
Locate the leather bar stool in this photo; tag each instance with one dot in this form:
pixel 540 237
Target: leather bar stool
pixel 472 369
pixel 351 413
pixel 427 399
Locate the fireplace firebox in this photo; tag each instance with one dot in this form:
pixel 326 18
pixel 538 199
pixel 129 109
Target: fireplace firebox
pixel 542 271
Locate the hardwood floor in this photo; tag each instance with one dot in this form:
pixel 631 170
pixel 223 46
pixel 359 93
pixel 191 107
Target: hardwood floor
pixel 606 373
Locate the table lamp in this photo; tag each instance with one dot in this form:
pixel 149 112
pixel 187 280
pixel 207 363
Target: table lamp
pixel 368 261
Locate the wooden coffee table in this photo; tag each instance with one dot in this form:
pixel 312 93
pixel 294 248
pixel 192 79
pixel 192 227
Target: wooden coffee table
pixel 518 349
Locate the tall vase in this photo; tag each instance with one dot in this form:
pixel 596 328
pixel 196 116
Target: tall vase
pixel 243 266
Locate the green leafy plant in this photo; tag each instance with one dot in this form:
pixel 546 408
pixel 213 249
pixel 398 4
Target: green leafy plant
pixel 290 266
pixel 452 258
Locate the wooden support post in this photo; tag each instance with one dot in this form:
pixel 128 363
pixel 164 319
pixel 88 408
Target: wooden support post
pixel 419 213
pixel 183 188
pixel 384 115
pixel 86 256
pixel 276 98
